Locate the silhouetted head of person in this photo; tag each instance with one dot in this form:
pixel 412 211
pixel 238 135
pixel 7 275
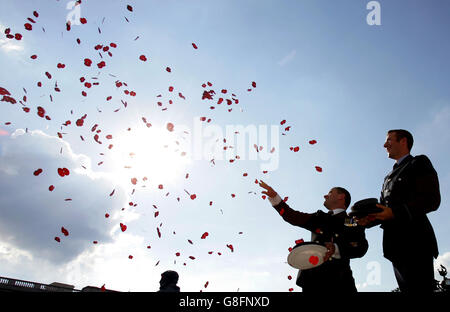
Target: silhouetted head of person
pixel 169 280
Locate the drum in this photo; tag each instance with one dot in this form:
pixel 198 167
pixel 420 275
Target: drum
pixel 307 255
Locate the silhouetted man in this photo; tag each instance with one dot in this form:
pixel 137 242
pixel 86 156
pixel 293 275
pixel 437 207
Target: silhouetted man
pixel 342 241
pixel 410 191
pixel 168 282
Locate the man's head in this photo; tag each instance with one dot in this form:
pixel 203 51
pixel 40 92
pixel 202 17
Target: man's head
pixel 398 143
pixel 168 278
pixel 337 197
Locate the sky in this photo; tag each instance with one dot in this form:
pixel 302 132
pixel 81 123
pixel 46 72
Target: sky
pixel 163 177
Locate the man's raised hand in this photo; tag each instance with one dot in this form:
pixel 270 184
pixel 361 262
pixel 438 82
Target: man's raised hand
pixel 268 190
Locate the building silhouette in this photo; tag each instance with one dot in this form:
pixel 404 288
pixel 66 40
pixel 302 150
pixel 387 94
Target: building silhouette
pixel 14 285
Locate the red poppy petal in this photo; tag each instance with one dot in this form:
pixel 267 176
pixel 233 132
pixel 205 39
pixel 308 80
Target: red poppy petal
pixel 64 231
pixel 37 172
pixel 314 260
pixel 101 64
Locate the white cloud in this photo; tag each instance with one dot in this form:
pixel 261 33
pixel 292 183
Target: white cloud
pixel 442 260
pixel 433 136
pixel 286 59
pixel 10 45
pixel 32 216
pixel 105 263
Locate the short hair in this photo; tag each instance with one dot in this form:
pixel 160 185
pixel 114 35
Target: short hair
pixel 400 134
pixel 169 277
pixel 342 190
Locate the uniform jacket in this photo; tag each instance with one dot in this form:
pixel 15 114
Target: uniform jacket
pixel 411 190
pixel 351 241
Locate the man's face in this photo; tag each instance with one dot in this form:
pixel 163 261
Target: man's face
pixel 394 148
pixel 332 199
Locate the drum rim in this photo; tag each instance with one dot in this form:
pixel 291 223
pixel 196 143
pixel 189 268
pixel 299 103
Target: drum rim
pixel 305 244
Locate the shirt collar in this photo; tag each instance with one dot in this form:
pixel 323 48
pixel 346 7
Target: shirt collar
pixel 401 159
pixel 337 210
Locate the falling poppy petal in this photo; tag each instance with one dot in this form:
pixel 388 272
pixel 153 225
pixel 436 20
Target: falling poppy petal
pixel 37 172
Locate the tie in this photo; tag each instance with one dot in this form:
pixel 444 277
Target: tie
pixel 330 212
pixel 395 166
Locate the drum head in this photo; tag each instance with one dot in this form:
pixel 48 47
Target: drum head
pixel 307 255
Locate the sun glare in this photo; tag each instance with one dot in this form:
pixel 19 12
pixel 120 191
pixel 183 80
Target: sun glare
pixel 148 156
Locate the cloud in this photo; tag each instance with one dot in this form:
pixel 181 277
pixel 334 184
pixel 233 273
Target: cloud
pixel 289 57
pixel 92 267
pixel 31 216
pixel 10 45
pixel 442 260
pixel 434 134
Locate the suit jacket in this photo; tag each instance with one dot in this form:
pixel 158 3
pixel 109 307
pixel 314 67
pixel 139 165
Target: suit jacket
pixel 335 274
pixel 411 191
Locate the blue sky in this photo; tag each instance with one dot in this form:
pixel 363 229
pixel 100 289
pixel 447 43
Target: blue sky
pixel 317 64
